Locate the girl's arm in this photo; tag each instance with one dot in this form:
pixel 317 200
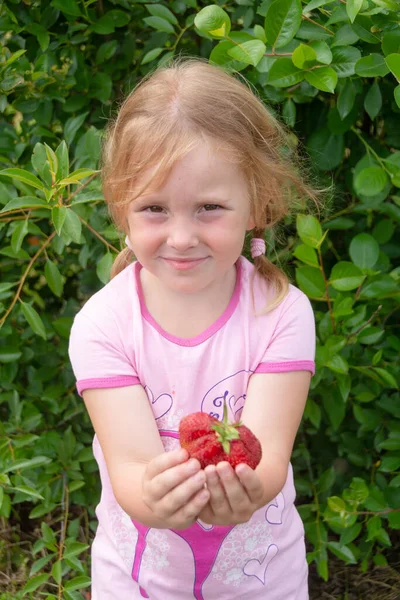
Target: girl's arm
pixel 157 489
pixel 273 410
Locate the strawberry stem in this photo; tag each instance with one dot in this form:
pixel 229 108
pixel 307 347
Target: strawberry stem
pixel 226 432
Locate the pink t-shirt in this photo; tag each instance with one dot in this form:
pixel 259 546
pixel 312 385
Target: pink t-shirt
pixel 115 342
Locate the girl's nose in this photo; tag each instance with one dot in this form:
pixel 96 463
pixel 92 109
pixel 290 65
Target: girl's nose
pixel 182 235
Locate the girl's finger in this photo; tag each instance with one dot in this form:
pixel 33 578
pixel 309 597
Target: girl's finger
pixel 251 482
pixel 235 492
pixel 168 480
pixel 165 461
pixel 218 500
pixel 181 495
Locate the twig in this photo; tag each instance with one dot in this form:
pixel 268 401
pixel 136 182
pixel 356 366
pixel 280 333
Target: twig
pixel 321 264
pixel 25 275
pixel 364 325
pixel 98 235
pixel 318 24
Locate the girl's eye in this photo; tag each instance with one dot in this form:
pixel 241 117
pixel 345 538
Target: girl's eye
pixel 149 208
pixel 213 207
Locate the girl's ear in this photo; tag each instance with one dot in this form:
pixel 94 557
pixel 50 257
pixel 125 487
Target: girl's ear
pixel 250 224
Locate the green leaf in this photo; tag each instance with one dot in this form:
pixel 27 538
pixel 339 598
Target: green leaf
pixel 151 55
pixel 373 100
pixel 326 149
pixel 56 571
pixel 344 60
pixel 160 24
pixel 25 202
pixel 24 489
pixel 350 534
pixel 370 181
pixel 323 78
pixel 393 62
pixel 103 268
pixel 387 377
pixel 58 215
pixel 339 365
pixel 342 552
pixel 371 66
pixel 303 56
pixel 48 534
pixel 71 127
pixel 394 520
pixel 24 176
pixel 53 278
pixel 346 99
pixel 74 549
pixel 344 36
pixel 34 583
pixel 40 563
pixel 158 10
pixel 63 161
pixel 282 22
pixel 322 50
pixel 69 7
pixel 77 583
pixel 391 42
pixel 310 281
pixel 18 235
pixel 353 7
pixel 289 112
pixel 41 164
pixel 345 276
pixel 390 463
pixel 336 504
pixel 72 226
pixel 307 255
pixel 283 73
pixel 77 176
pixel 309 230
pixel 364 251
pixel 397 95
pixel 9 354
pixel 315 4
pixel 105 52
pixel 362 26
pixel 370 335
pixel 27 463
pixel 214 21
pixel 33 319
pixel 250 52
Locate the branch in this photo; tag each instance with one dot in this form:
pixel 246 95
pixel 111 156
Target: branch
pixel 98 235
pixel 25 275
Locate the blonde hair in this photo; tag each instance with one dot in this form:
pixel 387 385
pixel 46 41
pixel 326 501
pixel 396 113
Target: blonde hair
pixel 163 118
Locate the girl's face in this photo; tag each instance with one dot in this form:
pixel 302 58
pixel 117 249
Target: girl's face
pixel 191 231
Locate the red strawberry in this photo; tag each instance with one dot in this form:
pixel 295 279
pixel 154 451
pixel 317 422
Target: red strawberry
pixel 212 441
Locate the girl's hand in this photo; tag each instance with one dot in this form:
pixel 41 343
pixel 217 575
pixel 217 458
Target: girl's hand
pixel 173 488
pixel 234 494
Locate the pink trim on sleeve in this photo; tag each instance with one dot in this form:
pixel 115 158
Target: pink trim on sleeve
pixel 106 382
pixel 284 367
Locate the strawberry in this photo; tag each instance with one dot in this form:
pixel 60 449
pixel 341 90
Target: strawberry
pixel 212 441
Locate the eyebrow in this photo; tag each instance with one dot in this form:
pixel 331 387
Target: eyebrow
pixel 155 197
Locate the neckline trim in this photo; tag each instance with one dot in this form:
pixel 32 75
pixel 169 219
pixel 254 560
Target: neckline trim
pixel 211 330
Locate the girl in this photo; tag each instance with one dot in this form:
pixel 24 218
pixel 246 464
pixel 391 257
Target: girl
pixel 192 162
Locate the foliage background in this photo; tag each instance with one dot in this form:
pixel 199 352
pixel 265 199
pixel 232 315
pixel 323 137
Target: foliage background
pixel 331 71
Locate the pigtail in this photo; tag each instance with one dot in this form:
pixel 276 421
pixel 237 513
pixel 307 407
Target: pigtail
pixel 271 274
pixel 124 259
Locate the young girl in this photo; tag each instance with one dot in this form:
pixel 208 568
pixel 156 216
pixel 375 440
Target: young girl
pixel 193 161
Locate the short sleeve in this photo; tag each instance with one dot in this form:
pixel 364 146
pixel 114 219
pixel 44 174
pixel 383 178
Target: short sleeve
pixel 97 353
pixel 292 345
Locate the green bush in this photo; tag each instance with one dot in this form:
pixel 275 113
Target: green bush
pixel 331 70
